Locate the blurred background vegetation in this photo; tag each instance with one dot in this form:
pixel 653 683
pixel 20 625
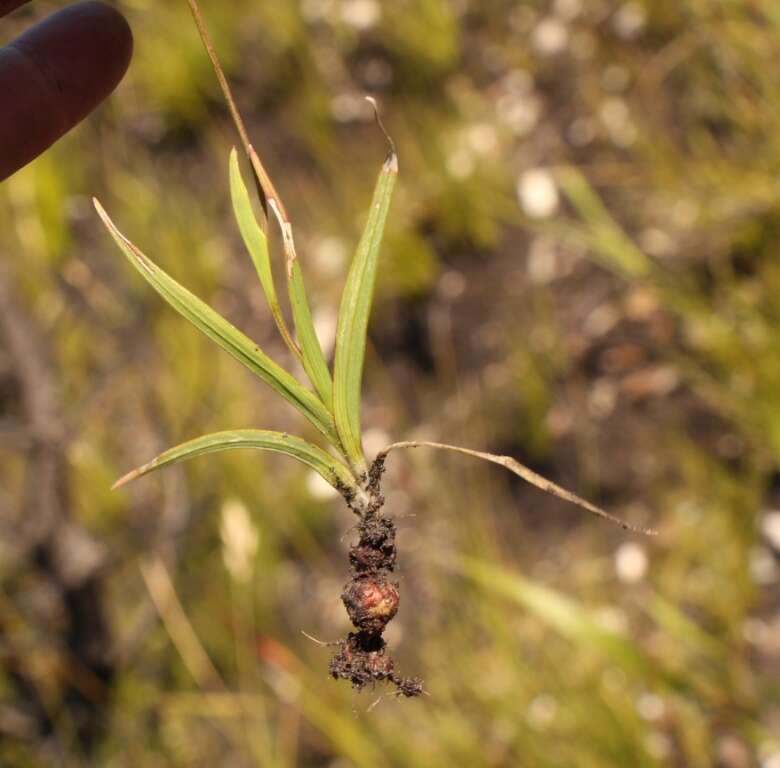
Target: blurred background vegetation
pixel 581 271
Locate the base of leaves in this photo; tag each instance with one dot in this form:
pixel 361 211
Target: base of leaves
pixel 371 598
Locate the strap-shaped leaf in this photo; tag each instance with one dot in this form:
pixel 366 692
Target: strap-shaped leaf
pixel 257 245
pixel 217 328
pixel 526 474
pixel 353 317
pixel 310 352
pixel 334 471
pixel 313 357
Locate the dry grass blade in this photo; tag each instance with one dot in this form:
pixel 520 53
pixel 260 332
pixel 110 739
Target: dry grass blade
pixel 262 180
pixel 608 243
pixel 178 626
pixel 310 352
pixel 268 194
pixel 566 616
pixel 527 474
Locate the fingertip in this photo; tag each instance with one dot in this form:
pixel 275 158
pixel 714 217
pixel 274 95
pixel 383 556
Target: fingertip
pixel 55 74
pixel 6 6
pixel 82 51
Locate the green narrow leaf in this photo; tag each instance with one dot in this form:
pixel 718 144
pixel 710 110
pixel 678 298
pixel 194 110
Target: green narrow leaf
pixel 524 472
pixel 334 471
pixel 310 352
pixel 313 358
pixel 257 245
pixel 233 341
pixel 608 242
pixel 565 616
pixel 353 317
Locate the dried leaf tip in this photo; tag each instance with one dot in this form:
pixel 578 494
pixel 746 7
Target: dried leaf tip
pixel 106 219
pixel 132 475
pixel 391 162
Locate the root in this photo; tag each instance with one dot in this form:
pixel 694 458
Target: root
pixel 362 659
pixel 371 598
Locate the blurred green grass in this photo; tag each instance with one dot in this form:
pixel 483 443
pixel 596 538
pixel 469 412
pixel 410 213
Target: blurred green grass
pixel 626 342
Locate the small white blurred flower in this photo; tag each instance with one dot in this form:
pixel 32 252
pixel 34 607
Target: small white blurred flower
pixel 482 138
pixel 763 569
pixel 733 752
pixel 685 213
pixel 612 618
pixel 770 527
pixel 519 81
pixel 602 398
pixel 239 540
pixel 319 488
pixel 360 14
pixel 542 710
pixel 452 284
pixel 325 321
pixel 374 440
pixel 656 241
pixel 771 760
pixel 582 131
pixel 650 707
pixel 756 632
pixel 550 36
pixel 629 20
pixel 330 254
pixel 460 163
pixel 538 193
pixel 601 320
pixel 348 106
pixel 631 562
pixel 616 118
pixel 542 262
pixel 520 112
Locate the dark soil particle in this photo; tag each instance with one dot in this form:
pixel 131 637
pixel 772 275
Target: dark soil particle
pixel 371 599
pixel 376 549
pixel 362 659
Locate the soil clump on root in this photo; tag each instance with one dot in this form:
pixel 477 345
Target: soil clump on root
pixel 371 598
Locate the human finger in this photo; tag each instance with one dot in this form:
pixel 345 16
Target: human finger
pixel 6 6
pixel 55 74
